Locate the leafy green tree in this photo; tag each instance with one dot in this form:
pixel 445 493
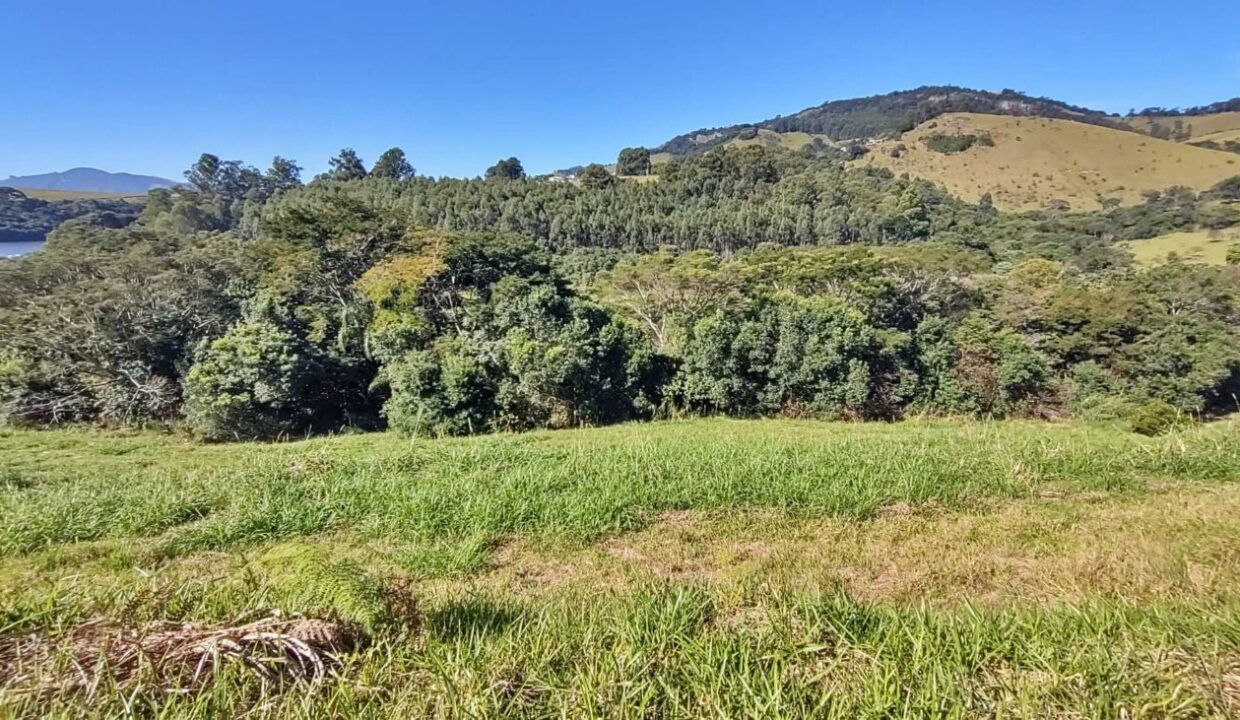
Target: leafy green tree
pixel 247 384
pixel 445 390
pixel 633 161
pixel 393 165
pixel 509 169
pixel 595 177
pixel 344 167
pixel 283 175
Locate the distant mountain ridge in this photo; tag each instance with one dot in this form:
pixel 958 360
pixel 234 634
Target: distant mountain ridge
pixel 84 179
pixel 879 115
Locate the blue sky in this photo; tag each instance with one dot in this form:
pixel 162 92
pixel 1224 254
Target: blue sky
pixel 144 86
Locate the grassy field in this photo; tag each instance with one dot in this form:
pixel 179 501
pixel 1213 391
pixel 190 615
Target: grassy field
pixel 1198 246
pixel 1037 160
pixel 1215 126
pixel 80 195
pixel 706 568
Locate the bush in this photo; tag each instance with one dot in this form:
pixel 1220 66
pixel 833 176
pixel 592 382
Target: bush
pixel 1155 418
pixel 247 384
pixel 443 391
pixel 950 144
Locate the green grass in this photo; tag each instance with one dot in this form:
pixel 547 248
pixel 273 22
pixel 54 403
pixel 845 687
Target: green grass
pixel 42 194
pixel 1199 246
pixel 715 568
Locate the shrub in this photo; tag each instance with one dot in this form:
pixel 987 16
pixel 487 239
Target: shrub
pixel 247 384
pixel 1155 418
pixel 951 144
pixel 446 390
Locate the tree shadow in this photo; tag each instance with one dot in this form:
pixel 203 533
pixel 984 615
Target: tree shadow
pixel 470 616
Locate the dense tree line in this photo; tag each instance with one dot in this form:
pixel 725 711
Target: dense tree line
pixel 27 219
pixel 890 114
pixel 744 281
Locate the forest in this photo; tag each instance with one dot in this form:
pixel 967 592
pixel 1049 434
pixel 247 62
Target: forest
pixel 748 282
pixel 27 219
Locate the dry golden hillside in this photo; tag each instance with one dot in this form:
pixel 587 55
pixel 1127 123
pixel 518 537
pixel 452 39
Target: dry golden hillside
pixel 770 138
pixel 1035 161
pixel 1216 126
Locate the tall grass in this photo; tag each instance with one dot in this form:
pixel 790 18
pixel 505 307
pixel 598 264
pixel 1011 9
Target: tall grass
pixel 582 484
pixel 141 527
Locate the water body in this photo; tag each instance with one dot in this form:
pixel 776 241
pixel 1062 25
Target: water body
pixel 13 249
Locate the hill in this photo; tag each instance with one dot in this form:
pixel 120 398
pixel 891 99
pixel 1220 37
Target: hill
pixel 29 219
pixel 40 194
pixel 1036 161
pixel 879 115
pixel 90 180
pixel 1198 246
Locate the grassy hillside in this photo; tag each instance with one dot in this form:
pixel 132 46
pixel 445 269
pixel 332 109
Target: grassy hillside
pixel 686 569
pixel 53 195
pixel 1200 246
pixel 1213 126
pixel 787 140
pixel 881 115
pixel 1034 161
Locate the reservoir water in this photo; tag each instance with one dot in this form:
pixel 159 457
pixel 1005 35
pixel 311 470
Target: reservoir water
pixel 13 249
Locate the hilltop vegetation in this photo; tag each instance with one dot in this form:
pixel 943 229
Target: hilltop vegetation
pixel 1033 163
pixel 25 219
pixel 889 115
pixel 249 305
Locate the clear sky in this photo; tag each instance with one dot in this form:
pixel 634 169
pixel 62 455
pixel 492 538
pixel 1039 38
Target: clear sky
pixel 145 86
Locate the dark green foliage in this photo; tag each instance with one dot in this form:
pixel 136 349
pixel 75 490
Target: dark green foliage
pixel 1155 418
pixel 344 167
pixel 509 169
pixel 633 161
pixel 504 344
pixel 247 384
pixel 948 144
pixel 1232 146
pixel 26 219
pixel 392 165
pixel 595 177
pixel 748 281
pixel 863 118
pixel 1228 189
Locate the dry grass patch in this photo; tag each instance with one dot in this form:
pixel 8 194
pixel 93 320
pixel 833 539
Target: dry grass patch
pixel 1176 543
pixel 1035 161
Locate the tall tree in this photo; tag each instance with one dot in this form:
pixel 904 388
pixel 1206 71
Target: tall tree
pixel 633 161
pixel 595 176
pixel 392 164
pixel 203 176
pixel 284 174
pixel 509 169
pixel 345 166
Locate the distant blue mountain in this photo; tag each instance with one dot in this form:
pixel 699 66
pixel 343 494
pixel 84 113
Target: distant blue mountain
pixel 89 180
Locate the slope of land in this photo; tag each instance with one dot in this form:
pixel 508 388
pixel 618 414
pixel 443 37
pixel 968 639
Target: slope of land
pixel 1213 126
pixel 28 219
pixel 1037 161
pixel 90 180
pixel 1199 246
pixel 711 567
pixel 869 117
pixel 54 195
